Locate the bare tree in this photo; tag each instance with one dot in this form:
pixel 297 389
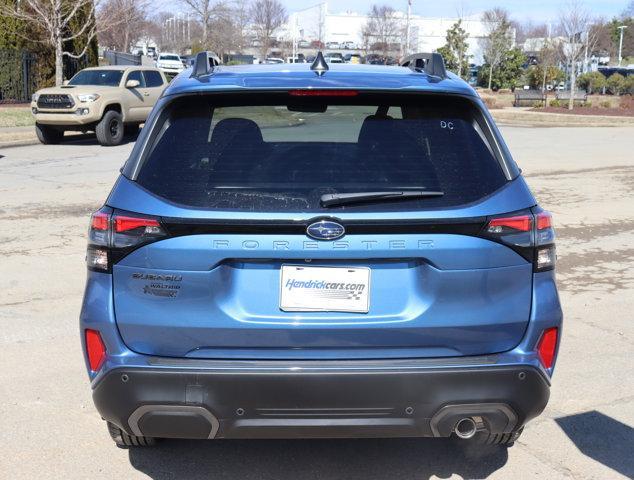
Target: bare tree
pixel 574 22
pixel 528 29
pixel 548 56
pixel 604 44
pixel 267 16
pixel 132 25
pixel 53 19
pixel 205 11
pixel 366 38
pixel 228 27
pixel 497 41
pixel 382 28
pixel 241 17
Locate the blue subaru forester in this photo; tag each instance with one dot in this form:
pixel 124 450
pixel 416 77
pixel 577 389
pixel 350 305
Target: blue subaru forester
pixel 297 251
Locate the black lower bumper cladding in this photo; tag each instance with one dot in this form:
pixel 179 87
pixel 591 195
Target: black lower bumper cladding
pixel 346 401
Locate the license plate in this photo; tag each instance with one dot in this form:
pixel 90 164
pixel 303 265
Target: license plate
pixel 324 289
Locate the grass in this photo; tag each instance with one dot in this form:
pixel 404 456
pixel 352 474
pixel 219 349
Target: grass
pixel 16 117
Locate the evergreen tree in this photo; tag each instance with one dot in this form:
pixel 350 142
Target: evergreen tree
pixel 454 52
pixel 498 40
pixel 507 73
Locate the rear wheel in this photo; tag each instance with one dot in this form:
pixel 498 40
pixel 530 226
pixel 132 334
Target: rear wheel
pixel 122 439
pixel 48 135
pixel 110 129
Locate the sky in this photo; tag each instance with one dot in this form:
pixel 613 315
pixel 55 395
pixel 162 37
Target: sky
pixel 535 10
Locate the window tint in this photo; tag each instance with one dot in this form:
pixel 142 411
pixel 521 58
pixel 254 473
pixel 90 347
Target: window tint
pixel 136 75
pixel 152 78
pixel 281 157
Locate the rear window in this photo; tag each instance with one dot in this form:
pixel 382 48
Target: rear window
pixel 280 153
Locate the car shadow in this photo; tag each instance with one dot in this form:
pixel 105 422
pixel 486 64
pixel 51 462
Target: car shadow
pixel 602 438
pixel 351 459
pixel 91 138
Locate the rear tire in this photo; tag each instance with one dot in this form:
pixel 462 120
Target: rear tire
pixel 48 135
pixel 122 439
pixel 110 129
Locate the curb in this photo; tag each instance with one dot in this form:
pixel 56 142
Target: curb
pixel 19 143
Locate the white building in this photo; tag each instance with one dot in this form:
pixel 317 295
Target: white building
pixel 426 33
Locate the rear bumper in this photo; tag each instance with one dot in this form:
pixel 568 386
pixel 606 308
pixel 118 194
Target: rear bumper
pixel 252 399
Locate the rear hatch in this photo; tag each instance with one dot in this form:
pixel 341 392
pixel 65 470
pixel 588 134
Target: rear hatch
pixel 322 225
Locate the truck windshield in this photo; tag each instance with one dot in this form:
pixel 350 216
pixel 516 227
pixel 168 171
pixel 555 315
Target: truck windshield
pixel 278 153
pixel 105 78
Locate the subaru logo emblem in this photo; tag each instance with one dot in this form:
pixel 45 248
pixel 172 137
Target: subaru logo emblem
pixel 325 230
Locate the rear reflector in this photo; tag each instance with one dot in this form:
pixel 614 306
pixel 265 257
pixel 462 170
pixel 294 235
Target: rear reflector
pixel 323 93
pixel 521 223
pixel 547 346
pixel 95 349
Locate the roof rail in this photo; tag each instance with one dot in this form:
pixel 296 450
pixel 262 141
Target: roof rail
pixel 430 63
pixel 205 63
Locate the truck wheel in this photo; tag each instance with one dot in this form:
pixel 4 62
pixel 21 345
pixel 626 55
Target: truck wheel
pixel 48 135
pixel 110 129
pixel 122 439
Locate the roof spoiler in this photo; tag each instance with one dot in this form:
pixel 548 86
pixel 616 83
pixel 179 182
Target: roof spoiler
pixel 430 63
pixel 204 63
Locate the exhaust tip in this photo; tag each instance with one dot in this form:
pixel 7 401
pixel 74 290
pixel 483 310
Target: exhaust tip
pixel 466 428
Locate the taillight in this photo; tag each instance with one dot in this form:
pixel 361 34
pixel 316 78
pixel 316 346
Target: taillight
pixel 132 231
pixel 520 223
pixel 113 235
pixel 546 254
pixel 544 220
pixel 529 234
pixel 125 224
pixel 95 350
pixel 547 347
pixel 99 221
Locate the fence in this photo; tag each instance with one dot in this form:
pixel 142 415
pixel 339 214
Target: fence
pixel 22 73
pixel 74 65
pixel 119 58
pixel 18 78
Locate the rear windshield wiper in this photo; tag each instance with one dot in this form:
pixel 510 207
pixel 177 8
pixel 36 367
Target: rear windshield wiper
pixel 334 199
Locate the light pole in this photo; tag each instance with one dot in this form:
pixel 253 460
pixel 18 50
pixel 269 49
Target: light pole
pixel 622 27
pixel 407 31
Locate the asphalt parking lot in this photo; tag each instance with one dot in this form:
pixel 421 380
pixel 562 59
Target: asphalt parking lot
pixel 50 429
